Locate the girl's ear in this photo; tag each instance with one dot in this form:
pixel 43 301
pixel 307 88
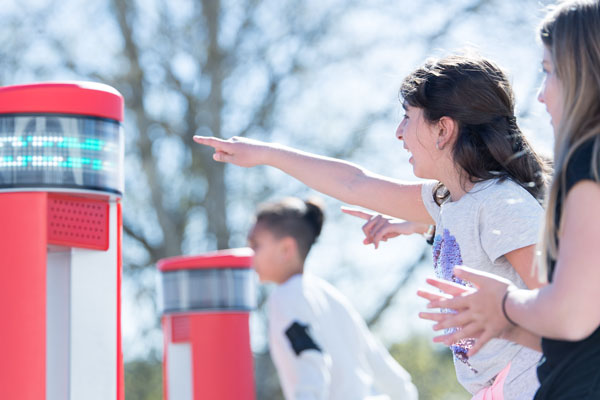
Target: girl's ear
pixel 448 130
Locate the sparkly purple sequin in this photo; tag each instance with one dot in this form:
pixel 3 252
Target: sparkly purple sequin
pixel 446 255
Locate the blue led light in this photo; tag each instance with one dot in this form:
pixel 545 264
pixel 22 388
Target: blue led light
pixel 87 144
pixel 68 142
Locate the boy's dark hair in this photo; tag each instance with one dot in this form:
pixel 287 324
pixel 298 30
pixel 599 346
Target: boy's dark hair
pixel 301 220
pixel 476 94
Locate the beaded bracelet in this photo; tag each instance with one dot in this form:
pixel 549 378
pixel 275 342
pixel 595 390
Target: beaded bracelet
pixel 504 307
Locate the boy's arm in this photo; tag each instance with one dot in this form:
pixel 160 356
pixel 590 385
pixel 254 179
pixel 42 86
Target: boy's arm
pixel 388 376
pixel 303 367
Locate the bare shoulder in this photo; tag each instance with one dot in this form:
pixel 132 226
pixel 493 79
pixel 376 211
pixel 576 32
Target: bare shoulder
pixel 581 213
pixel 583 197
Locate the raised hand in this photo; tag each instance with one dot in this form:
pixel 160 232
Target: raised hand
pixel 239 151
pixel 477 310
pixel 380 228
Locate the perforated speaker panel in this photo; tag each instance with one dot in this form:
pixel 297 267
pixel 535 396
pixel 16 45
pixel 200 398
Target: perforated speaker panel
pixel 180 325
pixel 78 222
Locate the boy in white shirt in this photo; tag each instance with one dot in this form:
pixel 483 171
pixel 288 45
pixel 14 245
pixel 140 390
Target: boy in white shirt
pixel 321 347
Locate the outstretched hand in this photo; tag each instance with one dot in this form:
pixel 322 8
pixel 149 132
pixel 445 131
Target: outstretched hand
pixel 380 228
pixel 238 151
pixel 477 310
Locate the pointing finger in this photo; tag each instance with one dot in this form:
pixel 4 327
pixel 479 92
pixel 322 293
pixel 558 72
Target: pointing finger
pixel 356 212
pixel 208 141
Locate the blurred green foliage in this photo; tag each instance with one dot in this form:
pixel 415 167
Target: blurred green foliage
pixel 430 366
pixel 143 379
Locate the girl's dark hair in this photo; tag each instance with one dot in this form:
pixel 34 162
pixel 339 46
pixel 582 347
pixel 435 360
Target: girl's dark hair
pixel 476 94
pixel 301 220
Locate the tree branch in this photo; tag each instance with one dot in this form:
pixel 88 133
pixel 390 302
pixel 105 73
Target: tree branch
pixel 155 253
pixel 389 298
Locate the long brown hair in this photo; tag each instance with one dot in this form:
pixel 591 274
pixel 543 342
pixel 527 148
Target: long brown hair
pixel 476 94
pixel 571 32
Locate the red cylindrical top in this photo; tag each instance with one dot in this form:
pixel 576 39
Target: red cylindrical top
pixel 79 98
pixel 231 258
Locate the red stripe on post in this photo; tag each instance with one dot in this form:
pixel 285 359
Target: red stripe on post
pixel 23 296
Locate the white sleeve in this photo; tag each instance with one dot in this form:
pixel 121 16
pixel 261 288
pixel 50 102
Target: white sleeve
pixel 313 376
pixel 302 365
pixel 389 377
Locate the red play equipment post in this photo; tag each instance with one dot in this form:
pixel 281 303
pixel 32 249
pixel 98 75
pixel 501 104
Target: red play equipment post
pixel 61 181
pixel 206 302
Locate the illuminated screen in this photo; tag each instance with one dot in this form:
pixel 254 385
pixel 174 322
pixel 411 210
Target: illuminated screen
pixel 46 151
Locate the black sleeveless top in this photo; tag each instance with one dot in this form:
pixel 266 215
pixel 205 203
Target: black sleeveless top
pixel 571 370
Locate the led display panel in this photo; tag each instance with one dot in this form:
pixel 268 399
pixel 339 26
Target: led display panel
pixel 61 151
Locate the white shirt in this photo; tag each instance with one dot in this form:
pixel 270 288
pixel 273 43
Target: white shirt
pixel 328 351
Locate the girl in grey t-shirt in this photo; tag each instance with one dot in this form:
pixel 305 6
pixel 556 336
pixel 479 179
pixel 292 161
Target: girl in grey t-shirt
pixel 492 220
pixel 460 130
pixel 495 218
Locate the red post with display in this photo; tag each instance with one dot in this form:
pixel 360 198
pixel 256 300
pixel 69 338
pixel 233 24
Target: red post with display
pixel 206 302
pixel 61 181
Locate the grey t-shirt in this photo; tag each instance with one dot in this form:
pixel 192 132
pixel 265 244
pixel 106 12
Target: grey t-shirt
pixel 492 219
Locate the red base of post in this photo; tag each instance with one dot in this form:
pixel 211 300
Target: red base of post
pixel 221 355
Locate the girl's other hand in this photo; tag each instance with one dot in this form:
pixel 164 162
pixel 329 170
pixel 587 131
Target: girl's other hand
pixel 380 228
pixel 477 310
pixel 238 151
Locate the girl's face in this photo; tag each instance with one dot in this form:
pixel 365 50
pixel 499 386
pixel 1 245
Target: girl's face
pixel 267 261
pixel 550 92
pixel 419 140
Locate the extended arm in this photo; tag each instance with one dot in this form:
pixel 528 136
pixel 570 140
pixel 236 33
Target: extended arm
pixel 565 308
pixel 340 179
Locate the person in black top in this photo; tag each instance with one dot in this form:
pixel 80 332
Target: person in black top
pixel 563 316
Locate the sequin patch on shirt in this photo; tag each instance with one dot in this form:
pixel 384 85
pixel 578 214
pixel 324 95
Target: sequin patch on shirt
pixel 446 255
